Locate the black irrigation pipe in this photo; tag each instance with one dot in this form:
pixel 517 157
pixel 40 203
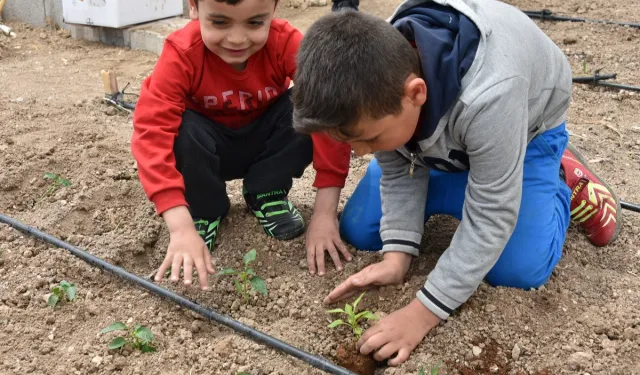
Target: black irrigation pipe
pixel 547 15
pixel 315 361
pixel 599 80
pixel 630 206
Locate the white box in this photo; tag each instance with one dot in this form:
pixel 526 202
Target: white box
pixel 118 13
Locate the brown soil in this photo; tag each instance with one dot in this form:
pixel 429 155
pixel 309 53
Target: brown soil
pixel 348 357
pixel 585 320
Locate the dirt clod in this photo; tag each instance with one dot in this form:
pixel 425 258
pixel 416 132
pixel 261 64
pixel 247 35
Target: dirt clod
pixel 352 360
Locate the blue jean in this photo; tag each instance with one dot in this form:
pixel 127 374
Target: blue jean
pixel 535 247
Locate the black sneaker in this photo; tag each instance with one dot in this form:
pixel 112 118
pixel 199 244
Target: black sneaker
pixel 208 230
pixel 276 214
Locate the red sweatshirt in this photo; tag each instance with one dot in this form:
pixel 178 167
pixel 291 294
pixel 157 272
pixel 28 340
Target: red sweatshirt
pixel 189 76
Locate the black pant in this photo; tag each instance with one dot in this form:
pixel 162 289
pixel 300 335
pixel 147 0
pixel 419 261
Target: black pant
pixel 267 153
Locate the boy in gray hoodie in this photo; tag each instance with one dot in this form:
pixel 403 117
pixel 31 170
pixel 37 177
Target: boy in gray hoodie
pixel 463 103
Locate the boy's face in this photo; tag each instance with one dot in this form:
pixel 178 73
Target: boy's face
pixel 393 131
pixel 234 32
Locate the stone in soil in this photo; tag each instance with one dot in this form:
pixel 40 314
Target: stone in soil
pixel 350 359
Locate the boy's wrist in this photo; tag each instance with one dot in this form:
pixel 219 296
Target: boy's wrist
pixel 178 219
pixel 398 260
pixel 426 316
pixel 327 200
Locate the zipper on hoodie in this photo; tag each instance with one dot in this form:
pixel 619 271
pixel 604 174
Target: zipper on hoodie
pixel 413 164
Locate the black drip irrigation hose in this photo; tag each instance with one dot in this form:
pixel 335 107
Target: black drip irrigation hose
pixel 599 80
pixel 315 361
pixel 630 206
pixel 547 15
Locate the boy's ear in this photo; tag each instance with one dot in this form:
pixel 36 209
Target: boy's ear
pixel 415 88
pixel 193 10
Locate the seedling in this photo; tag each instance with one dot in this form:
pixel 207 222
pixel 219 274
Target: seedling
pixel 434 370
pixel 66 291
pixel 353 317
pixel 56 182
pixel 138 337
pixel 246 277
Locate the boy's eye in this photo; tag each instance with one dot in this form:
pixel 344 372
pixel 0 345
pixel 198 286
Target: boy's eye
pixel 256 23
pixel 218 22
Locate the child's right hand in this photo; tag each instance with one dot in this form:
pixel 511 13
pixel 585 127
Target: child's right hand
pixel 186 249
pixel 388 272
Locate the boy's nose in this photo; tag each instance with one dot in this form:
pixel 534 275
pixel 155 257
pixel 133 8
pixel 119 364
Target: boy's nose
pixel 236 38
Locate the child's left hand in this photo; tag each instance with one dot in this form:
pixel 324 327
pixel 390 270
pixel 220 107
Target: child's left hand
pixel 399 332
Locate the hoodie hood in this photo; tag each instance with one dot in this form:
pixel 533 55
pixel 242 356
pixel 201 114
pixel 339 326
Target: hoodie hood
pixel 447 42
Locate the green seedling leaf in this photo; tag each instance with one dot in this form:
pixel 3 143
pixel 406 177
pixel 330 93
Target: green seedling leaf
pixel 250 272
pixel 71 291
pixel 117 326
pixel 367 315
pixel 336 323
pixel 435 369
pixel 348 309
pixel 144 334
pixel 50 176
pixel 249 257
pixel 227 271
pixel 57 291
pixel 259 285
pixel 52 300
pixel 65 182
pixel 146 348
pixel 336 311
pixel 355 304
pixel 117 343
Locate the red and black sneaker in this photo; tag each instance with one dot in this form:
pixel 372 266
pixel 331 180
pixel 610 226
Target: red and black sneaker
pixel 594 204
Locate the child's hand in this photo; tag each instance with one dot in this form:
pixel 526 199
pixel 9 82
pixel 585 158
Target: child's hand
pixel 390 271
pixel 186 249
pixel 399 332
pixel 323 235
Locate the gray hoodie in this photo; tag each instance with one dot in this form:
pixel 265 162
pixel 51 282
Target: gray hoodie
pixel 517 86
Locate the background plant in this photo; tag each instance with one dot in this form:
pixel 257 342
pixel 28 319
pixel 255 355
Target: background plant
pixel 56 182
pixel 65 291
pixel 434 370
pixel 353 317
pixel 138 337
pixel 246 277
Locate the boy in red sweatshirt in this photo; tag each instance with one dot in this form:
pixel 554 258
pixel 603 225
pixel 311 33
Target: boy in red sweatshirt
pixel 216 108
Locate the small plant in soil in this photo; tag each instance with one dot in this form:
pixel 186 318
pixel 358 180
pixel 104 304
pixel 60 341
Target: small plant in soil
pixel 348 356
pixel 434 370
pixel 138 337
pixel 56 182
pixel 246 277
pixel 63 292
pixel 353 317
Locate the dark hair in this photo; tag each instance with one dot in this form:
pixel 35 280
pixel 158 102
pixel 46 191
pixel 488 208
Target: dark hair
pixel 350 64
pixel 230 2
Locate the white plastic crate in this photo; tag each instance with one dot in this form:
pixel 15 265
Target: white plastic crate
pixel 118 13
